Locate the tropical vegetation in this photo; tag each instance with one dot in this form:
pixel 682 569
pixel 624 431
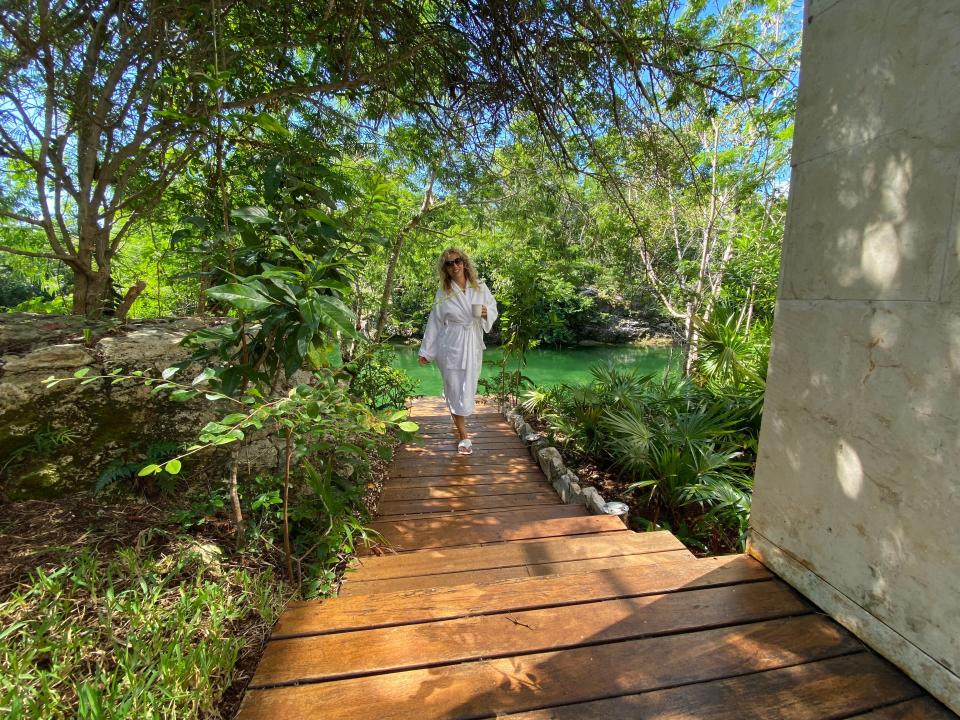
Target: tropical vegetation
pixel 293 169
pixel 682 447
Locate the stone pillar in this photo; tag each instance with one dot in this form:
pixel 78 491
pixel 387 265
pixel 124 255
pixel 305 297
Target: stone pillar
pixel 857 499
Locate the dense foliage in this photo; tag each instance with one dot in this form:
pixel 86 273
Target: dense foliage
pixel 684 445
pixel 660 187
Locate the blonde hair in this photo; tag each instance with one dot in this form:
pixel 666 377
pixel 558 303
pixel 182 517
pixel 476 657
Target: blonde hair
pixel 446 282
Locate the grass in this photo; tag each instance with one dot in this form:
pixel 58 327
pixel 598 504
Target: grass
pixel 112 624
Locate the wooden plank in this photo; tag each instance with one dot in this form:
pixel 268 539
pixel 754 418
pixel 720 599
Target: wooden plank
pixel 497 686
pixel 415 448
pixel 403 507
pixel 365 612
pixel 491 518
pixel 464 465
pixel 445 444
pixel 472 423
pixel 537 552
pixel 451 532
pixel 432 439
pixel 493 456
pixel 442 412
pixel 922 708
pixel 484 478
pixel 475 420
pixel 449 432
pixel 439 410
pixel 826 689
pixel 394 494
pixel 405 647
pixel 434 514
pixel 572 567
pixel 445 453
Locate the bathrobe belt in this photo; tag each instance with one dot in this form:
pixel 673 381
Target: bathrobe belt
pixel 474 344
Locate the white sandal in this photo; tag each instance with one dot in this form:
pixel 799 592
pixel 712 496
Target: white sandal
pixel 465 447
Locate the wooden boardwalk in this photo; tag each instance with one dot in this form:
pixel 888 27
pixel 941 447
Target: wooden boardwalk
pixel 498 600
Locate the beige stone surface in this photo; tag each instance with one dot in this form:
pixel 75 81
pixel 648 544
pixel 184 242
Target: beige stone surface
pixel 853 88
pixel 872 222
pixel 856 89
pixel 54 357
pixel 859 454
pixel 857 489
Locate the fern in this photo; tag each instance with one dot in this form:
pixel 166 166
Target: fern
pixel 127 468
pixel 42 444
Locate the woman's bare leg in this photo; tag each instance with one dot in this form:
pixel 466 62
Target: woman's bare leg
pixel 461 426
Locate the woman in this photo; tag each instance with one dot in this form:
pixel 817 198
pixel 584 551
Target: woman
pixel 462 311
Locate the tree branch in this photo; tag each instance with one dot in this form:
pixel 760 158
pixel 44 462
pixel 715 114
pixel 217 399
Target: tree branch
pixel 30 253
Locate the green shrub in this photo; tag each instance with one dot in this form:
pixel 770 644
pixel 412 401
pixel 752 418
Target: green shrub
pixel 144 632
pixel 375 382
pixel 687 447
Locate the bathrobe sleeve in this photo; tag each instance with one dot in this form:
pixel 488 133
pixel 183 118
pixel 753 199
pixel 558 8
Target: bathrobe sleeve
pixel 491 304
pixel 431 334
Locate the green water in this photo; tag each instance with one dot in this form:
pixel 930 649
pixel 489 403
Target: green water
pixel 546 367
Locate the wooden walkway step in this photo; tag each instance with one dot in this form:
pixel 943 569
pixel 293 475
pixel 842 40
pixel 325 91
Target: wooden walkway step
pixel 489 598
pixel 362 611
pixel 504 561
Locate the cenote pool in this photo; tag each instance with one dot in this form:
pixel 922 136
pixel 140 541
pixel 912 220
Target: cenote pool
pixel 547 367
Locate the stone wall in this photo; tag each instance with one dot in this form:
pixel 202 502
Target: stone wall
pixel 857 484
pixel 106 422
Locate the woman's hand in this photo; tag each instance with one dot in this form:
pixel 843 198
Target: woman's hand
pixel 423 361
pixel 483 311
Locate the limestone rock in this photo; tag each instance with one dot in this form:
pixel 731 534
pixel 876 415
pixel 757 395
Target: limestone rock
pixel 85 427
pixel 155 347
pixel 54 357
pixel 594 501
pixel 536 446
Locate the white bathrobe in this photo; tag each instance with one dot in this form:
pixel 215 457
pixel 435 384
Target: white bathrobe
pixel 454 338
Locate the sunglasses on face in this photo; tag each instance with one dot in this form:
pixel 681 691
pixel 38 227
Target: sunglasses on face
pixel 455 261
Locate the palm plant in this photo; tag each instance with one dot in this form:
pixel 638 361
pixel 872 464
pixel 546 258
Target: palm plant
pixel 686 443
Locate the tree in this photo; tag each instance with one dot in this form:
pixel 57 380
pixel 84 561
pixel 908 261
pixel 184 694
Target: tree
pixel 104 102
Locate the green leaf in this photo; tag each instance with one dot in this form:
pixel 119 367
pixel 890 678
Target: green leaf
pixel 337 285
pixel 408 426
pixel 207 373
pixel 170 372
pixel 183 395
pixel 148 470
pixel 304 336
pixel 334 314
pixel 233 418
pixel 351 449
pixel 271 124
pixel 241 297
pixel 172 466
pixel 214 427
pixel 253 215
pixel 319 215
pixel 81 372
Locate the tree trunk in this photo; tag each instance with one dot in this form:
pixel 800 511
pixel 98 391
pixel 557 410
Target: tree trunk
pixel 395 258
pixel 92 271
pixel 690 337
pixel 91 291
pixel 233 490
pixel 129 299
